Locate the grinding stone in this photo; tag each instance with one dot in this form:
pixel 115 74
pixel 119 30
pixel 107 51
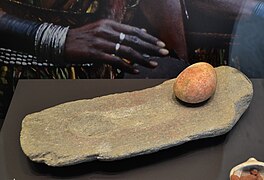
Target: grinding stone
pixel 134 123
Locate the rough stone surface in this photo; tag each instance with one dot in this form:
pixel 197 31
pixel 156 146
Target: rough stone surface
pixel 129 124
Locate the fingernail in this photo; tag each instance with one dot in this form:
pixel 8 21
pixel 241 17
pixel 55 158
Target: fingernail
pixel 136 71
pixel 143 30
pixel 153 63
pixel 161 44
pixel 164 52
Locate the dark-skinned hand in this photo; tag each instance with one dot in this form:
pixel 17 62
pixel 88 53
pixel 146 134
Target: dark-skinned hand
pixel 96 43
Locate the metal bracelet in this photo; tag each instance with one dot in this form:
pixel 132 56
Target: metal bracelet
pixel 50 43
pixel 38 36
pixel 259 10
pixel 60 44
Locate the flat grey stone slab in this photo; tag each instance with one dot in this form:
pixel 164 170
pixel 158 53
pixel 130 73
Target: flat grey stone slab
pixel 134 123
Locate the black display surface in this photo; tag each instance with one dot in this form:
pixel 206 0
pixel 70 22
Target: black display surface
pixel 206 159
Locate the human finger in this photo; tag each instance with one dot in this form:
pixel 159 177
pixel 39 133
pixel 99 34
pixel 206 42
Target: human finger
pixel 134 42
pixel 118 63
pixel 126 52
pixel 143 46
pixel 134 56
pixel 131 30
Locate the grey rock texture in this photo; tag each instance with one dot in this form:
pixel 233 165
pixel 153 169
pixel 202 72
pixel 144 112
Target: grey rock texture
pixel 134 123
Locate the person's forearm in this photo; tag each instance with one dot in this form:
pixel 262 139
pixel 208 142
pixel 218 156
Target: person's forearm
pixel 167 18
pixel 17 34
pixel 44 40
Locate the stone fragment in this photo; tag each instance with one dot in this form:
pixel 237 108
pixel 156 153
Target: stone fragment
pixel 133 123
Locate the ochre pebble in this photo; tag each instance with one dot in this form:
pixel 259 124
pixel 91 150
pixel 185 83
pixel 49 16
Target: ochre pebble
pixel 196 83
